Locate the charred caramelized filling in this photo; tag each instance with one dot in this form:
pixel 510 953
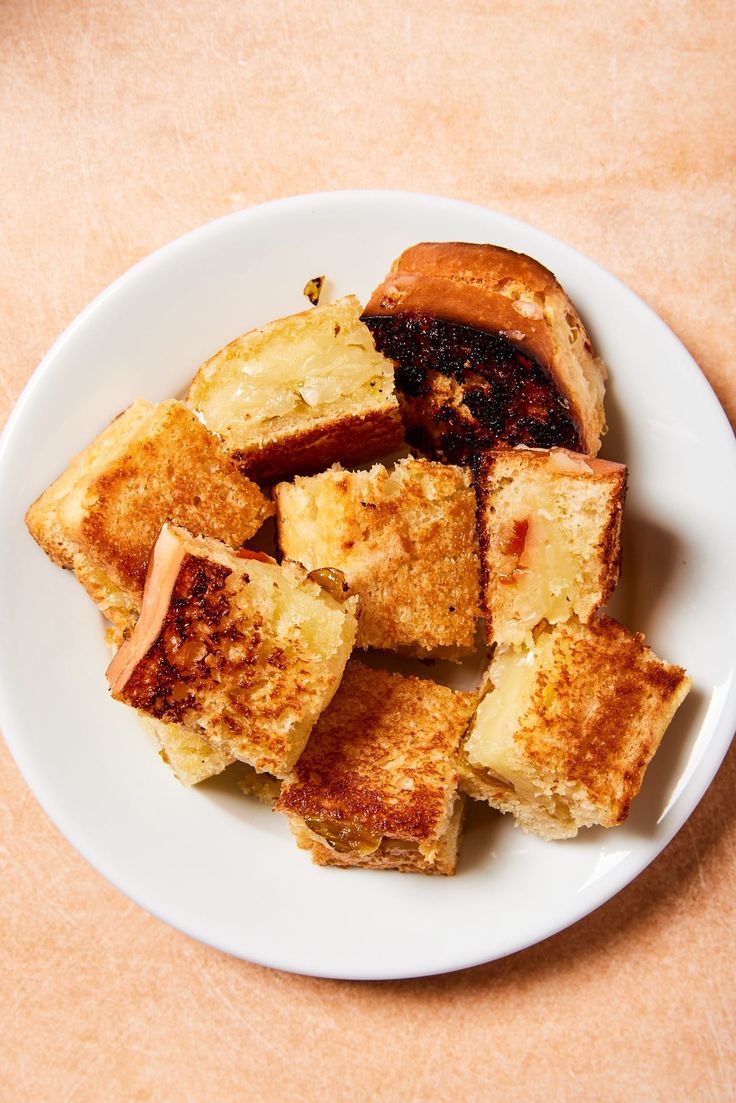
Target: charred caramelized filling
pixel 496 393
pixel 345 838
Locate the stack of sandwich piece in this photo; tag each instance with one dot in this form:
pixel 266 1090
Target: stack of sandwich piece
pixel 502 514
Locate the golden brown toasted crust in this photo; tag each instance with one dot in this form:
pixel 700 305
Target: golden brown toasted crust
pixel 406 543
pixel 587 511
pixel 381 760
pixel 497 291
pixel 232 657
pixel 600 704
pixel 153 464
pixel 353 439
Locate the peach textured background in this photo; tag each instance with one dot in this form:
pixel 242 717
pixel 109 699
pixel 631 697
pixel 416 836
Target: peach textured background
pixel 124 124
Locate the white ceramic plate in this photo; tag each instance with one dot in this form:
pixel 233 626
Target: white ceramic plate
pixel 222 868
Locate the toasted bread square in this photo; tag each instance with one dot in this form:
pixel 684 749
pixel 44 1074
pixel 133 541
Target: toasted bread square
pixel 242 651
pixel 568 727
pixel 300 393
pixel 376 785
pixel 405 540
pixel 549 527
pixel 152 464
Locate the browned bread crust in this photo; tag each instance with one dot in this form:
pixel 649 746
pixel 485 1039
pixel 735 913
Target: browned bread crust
pixel 354 438
pixel 243 652
pixel 405 540
pixel 587 726
pixel 152 464
pixel 379 775
pixel 535 381
pixel 549 532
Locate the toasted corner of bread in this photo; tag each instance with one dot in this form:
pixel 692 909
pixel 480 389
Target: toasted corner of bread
pixel 565 734
pixel 241 650
pixel 152 464
pixel 189 755
pixel 299 393
pixel 376 785
pixel 549 528
pixel 405 540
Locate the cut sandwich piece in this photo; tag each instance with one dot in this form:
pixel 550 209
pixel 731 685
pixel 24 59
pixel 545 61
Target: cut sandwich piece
pixel 152 464
pixel 376 785
pixel 489 350
pixel 549 527
pixel 405 541
pixel 568 727
pixel 301 393
pixel 242 651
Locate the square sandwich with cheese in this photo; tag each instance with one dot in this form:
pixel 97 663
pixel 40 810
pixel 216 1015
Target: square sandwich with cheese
pixel 153 463
pixel 549 526
pixel 299 393
pixel 405 541
pixel 242 651
pixel 568 726
pixel 377 784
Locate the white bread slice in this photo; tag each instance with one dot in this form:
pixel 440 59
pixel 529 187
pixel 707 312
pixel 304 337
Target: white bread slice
pixel 549 529
pixel 405 541
pixel 300 393
pixel 244 652
pixel 565 733
pixel 376 785
pixel 152 464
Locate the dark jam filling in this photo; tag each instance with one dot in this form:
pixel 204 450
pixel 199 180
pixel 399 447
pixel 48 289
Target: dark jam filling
pixel 506 396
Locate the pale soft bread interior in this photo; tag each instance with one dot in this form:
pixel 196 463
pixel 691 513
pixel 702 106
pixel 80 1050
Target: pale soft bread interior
pixel 263 787
pixel 405 540
pixel 283 643
pixel 550 539
pixel 566 731
pixel 321 365
pixel 190 756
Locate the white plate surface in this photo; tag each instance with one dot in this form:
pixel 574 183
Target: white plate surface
pixel 222 868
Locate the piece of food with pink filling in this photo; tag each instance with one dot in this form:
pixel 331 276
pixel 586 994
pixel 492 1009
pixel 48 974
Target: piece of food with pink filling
pixel 549 528
pixel 244 652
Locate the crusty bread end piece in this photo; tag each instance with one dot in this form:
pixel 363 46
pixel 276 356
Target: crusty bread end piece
pixel 152 464
pixel 549 528
pixel 242 651
pixel 567 729
pixel 376 785
pixel 405 541
pixel 489 350
pixel 300 393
